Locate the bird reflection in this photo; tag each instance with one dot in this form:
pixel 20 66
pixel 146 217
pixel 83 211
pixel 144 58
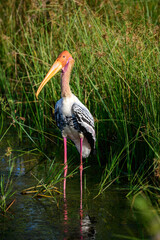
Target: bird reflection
pixel 65 212
pixel 81 206
pixel 87 224
pixel 88 228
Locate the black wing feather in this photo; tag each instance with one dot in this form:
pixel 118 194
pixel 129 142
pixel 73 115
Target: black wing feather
pixel 60 121
pixel 85 122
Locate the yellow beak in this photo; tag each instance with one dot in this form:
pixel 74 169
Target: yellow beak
pixel 56 67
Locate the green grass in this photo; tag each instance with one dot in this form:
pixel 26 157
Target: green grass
pixel 115 45
pixel 6 191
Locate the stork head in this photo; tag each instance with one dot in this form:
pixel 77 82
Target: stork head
pixel 61 63
pixel 64 57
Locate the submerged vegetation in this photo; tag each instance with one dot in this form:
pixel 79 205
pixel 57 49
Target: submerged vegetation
pixel 115 45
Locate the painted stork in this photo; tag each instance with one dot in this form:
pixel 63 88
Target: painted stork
pixel 72 117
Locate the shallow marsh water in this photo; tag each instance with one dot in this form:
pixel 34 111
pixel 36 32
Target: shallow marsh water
pixel 108 216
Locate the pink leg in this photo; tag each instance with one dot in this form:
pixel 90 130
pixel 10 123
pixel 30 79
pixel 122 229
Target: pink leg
pixel 64 187
pixel 65 163
pixel 81 164
pixel 81 196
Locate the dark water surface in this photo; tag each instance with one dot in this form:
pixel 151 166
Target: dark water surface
pixel 108 216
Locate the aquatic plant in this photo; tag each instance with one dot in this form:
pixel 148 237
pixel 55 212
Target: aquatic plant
pixel 6 192
pixel 146 214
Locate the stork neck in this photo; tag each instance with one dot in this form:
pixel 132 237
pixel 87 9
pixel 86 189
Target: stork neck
pixel 65 79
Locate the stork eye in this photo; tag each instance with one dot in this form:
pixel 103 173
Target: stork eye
pixel 64 56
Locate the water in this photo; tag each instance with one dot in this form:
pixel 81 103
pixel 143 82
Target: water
pixel 108 216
